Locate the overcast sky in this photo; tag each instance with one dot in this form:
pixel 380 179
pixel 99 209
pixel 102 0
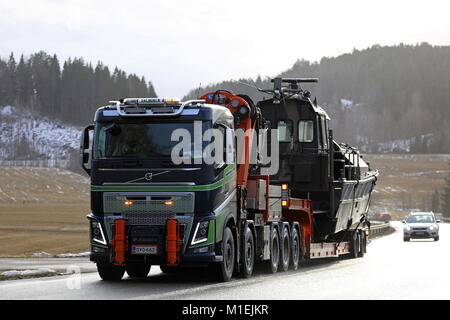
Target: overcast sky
pixel 180 44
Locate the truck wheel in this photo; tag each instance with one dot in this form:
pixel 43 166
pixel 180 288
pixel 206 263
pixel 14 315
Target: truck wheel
pixel 248 254
pixel 274 251
pixel 169 269
pixel 226 267
pixel 109 272
pixel 295 249
pixel 285 250
pixel 138 270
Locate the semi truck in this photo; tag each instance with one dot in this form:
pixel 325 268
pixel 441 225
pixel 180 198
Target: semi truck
pixel 192 183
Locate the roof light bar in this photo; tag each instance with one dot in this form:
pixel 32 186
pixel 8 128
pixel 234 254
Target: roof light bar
pixel 134 101
pixel 149 101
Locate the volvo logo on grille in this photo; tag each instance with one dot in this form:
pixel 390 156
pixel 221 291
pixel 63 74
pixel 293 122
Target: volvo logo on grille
pixel 148 176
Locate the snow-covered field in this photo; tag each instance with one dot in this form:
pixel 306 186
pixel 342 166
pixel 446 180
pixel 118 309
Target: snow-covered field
pixel 36 139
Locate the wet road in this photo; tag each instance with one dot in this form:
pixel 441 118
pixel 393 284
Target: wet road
pixel 391 269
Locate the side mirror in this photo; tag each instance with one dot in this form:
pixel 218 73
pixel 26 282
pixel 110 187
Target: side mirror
pixel 438 220
pixel 84 146
pixel 85 158
pixel 403 221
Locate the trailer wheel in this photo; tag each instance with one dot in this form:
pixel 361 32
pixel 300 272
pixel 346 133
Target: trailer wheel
pixel 274 251
pixel 295 249
pixel 138 270
pixel 248 254
pixel 285 250
pixel 109 272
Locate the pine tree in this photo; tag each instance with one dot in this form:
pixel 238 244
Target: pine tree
pixel 11 83
pixel 24 83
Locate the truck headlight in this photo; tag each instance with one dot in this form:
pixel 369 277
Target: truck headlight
pixel 201 232
pixel 97 232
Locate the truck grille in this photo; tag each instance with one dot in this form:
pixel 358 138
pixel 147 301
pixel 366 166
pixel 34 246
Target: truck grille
pixel 148 208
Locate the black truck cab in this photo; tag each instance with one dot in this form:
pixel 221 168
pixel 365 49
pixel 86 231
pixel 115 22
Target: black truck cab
pixel 134 176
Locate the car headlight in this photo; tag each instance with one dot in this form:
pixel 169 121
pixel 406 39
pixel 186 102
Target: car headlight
pixel 433 227
pixel 201 232
pixel 407 228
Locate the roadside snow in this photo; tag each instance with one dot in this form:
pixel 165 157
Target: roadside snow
pixel 20 273
pixel 73 255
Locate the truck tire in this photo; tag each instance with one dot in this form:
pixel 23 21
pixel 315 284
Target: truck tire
pixel 295 249
pixel 138 271
pixel 285 250
pixel 109 272
pixel 225 268
pixel 274 251
pixel 248 254
pixel 169 269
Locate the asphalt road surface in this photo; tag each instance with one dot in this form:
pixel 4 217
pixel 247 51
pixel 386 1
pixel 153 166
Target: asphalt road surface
pixel 391 269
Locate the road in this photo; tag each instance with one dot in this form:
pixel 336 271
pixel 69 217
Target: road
pixel 391 269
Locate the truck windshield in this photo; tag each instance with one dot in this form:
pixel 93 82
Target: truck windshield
pixel 139 140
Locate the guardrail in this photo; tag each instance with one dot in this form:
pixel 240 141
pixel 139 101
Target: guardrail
pixel 378 228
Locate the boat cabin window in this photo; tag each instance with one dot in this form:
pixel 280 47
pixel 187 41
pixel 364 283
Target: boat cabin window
pixel 305 131
pixel 284 130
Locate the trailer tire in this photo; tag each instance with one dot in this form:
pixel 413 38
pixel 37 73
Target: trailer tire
pixel 295 249
pixel 138 271
pixel 248 254
pixel 274 251
pixel 285 250
pixel 109 272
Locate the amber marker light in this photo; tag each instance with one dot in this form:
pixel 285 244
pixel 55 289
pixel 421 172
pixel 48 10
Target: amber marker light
pixel 168 203
pixel 128 202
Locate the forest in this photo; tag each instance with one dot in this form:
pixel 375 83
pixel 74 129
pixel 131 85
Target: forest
pixel 70 92
pixel 380 99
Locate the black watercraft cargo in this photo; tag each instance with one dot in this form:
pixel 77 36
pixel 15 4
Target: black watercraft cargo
pixel 333 175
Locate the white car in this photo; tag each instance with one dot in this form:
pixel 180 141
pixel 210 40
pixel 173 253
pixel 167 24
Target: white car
pixel 421 225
